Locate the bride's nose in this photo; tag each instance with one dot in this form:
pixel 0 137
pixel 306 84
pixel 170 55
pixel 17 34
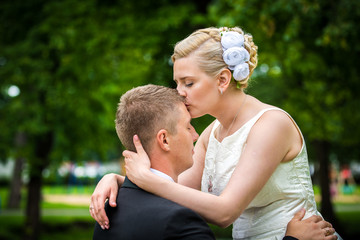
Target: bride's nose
pixel 181 91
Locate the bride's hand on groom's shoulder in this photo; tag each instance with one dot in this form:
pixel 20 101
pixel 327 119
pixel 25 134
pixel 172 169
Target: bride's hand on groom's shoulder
pixel 106 189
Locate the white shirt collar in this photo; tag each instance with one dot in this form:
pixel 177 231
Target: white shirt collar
pixel 161 174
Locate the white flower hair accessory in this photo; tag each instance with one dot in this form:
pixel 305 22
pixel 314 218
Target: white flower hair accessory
pixel 241 71
pixel 231 39
pixel 235 55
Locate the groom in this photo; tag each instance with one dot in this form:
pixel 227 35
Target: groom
pixel 159 117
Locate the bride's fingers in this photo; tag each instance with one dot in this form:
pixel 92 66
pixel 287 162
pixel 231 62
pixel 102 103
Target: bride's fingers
pixel 127 153
pixel 139 148
pixel 138 145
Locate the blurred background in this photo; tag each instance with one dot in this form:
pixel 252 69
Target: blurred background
pixel 64 65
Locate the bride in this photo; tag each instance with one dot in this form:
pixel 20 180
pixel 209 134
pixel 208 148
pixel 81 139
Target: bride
pixel 251 163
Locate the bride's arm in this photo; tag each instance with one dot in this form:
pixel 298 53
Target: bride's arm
pixel 107 188
pixel 192 176
pixel 267 145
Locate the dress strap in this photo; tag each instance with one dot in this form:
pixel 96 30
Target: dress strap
pixel 254 119
pixel 216 124
pixel 275 108
pixel 295 124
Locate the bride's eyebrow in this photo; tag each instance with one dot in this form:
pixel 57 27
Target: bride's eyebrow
pixel 183 78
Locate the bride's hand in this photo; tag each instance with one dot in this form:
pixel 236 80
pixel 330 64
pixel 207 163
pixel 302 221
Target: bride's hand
pixel 107 188
pixel 136 163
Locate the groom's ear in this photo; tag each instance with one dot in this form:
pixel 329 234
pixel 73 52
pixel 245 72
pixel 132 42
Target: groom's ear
pixel 163 139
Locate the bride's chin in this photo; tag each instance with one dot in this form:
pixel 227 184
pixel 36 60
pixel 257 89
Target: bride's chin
pixel 194 114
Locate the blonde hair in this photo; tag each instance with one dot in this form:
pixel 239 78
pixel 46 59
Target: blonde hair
pixel 205 46
pixel 144 111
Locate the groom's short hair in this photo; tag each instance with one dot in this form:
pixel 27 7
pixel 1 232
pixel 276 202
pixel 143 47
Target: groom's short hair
pixel 144 111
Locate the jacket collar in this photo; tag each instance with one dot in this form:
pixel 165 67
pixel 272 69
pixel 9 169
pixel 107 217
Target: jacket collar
pixel 128 184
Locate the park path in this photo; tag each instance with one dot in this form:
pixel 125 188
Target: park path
pixel 80 200
pixel 73 199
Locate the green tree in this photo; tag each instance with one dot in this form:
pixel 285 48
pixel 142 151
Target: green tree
pixel 71 62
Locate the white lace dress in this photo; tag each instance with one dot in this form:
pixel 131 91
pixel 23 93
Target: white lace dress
pixel 287 191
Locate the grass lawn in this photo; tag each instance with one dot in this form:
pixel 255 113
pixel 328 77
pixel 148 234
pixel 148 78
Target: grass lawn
pixel 65 219
pixel 53 228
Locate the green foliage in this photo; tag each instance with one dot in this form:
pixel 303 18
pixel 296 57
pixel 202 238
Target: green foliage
pixel 314 45
pixel 72 61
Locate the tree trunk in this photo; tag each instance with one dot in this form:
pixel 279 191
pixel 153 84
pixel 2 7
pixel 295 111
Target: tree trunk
pixel 37 165
pixel 15 185
pixel 322 149
pixel 33 223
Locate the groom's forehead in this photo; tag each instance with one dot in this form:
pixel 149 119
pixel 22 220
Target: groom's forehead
pixel 184 113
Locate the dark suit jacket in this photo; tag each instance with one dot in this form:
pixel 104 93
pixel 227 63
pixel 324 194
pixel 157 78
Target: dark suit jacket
pixel 142 215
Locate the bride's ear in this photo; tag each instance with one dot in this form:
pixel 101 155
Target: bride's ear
pixel 224 80
pixel 162 139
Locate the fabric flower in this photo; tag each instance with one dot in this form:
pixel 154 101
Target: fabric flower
pixel 236 55
pixel 232 39
pixel 241 71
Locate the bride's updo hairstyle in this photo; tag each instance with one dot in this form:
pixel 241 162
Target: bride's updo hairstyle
pixel 205 45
